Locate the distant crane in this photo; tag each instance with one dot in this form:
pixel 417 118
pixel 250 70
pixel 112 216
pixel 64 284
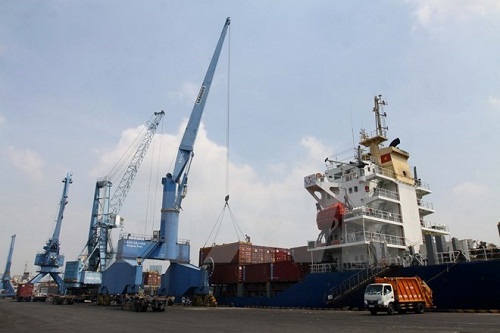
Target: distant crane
pixel 50 260
pixel 105 209
pixel 105 216
pixel 125 274
pixel 7 288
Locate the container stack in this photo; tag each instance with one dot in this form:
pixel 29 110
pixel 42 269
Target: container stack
pixel 243 262
pixel 244 254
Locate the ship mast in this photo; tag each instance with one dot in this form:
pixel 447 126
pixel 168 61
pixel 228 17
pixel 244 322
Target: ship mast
pixel 376 138
pixel 380 116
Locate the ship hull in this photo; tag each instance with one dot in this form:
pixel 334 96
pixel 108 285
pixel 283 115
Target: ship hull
pixel 468 285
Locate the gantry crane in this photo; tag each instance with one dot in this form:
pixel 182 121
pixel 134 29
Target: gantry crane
pixel 125 274
pixel 105 216
pixel 50 260
pixel 7 288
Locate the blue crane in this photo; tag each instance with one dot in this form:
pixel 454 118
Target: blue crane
pixel 7 288
pixel 50 260
pixel 105 209
pixel 105 215
pixel 125 274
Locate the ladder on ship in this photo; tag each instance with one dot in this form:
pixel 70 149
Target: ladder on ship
pixel 354 283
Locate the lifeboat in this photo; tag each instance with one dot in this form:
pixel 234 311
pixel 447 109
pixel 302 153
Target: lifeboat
pixel 330 217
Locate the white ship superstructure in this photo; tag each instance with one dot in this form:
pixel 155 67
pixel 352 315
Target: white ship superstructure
pixel 371 209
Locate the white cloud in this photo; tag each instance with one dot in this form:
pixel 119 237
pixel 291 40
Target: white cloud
pixel 432 14
pixel 28 161
pixel 494 101
pixel 470 190
pixel 277 212
pixel 109 160
pixel 317 151
pixel 186 93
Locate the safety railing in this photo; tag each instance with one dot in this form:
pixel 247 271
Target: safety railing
pixel 354 282
pixel 381 214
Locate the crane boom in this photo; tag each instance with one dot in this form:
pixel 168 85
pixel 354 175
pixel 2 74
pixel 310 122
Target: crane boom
pixel 129 175
pixel 186 146
pixel 50 260
pixel 174 188
pixel 8 289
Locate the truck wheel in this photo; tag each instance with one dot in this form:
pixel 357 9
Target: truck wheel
pixel 373 311
pixel 390 309
pixel 420 308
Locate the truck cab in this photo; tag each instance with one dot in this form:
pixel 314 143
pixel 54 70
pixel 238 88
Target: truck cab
pixel 379 296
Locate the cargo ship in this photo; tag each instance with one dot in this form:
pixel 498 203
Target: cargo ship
pixel 372 221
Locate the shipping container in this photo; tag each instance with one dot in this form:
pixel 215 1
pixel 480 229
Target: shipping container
pixel 226 274
pixel 256 273
pixel 288 271
pixel 223 254
pixel 243 253
pixel 257 255
pixel 151 278
pixel 25 292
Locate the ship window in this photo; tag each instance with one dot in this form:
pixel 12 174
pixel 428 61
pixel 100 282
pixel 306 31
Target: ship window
pixel 355 189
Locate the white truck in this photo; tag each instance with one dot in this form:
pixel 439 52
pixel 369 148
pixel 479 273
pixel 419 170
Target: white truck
pixel 398 294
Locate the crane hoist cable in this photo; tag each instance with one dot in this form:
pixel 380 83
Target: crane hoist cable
pixel 228 109
pixel 153 175
pixel 218 224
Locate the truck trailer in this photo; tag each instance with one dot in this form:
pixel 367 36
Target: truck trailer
pixel 398 294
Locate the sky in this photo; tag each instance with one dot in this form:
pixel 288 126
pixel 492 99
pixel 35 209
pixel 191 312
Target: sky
pixel 295 84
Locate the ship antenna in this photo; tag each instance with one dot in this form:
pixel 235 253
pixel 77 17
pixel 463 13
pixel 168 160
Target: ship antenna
pixel 380 116
pixel 352 127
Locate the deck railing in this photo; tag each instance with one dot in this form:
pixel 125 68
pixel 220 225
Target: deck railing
pixel 361 236
pixel 384 193
pixel 381 214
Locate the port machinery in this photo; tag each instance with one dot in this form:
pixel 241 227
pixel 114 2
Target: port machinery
pixel 124 276
pixel 50 259
pixel 83 276
pixel 7 288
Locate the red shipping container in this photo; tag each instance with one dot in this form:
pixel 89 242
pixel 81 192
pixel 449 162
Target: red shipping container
pixel 243 253
pixel 227 253
pixel 25 291
pixel 288 271
pixel 257 273
pixel 226 274
pixel 151 278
